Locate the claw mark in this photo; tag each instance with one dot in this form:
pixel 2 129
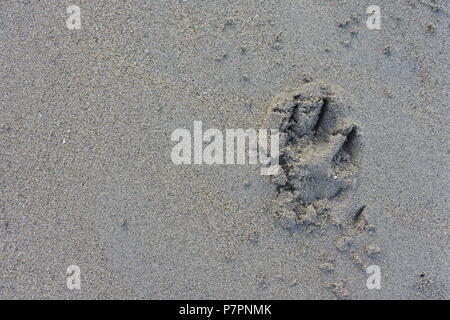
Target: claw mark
pixel 319 114
pixel 358 214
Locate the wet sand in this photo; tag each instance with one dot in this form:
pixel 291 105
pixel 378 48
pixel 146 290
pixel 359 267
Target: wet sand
pixel 85 142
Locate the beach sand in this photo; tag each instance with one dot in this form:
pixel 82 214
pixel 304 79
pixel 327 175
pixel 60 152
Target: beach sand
pixel 87 179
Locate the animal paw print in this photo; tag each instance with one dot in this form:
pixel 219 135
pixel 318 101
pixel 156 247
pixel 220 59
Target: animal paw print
pixel 319 156
pixel 320 153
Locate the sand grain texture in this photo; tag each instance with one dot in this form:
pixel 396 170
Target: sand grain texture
pixel 86 176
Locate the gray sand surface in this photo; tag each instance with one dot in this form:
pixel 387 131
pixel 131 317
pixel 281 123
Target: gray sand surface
pixel 86 176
